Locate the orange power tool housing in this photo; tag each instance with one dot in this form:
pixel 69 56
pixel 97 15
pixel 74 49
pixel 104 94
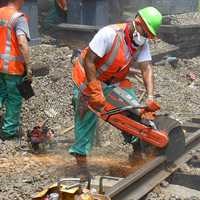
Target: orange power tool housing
pixel 122 120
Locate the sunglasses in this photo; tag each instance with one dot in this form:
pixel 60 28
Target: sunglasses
pixel 144 33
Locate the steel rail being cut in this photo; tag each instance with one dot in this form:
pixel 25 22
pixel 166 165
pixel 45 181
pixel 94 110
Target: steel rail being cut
pixel 138 184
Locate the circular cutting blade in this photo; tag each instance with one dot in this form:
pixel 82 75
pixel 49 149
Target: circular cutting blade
pixel 176 145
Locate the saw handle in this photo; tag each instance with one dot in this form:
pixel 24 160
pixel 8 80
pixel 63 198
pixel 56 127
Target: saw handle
pixel 122 109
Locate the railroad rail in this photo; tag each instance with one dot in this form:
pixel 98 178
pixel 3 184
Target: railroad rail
pixel 142 181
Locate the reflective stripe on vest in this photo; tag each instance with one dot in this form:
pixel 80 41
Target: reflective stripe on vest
pixel 112 57
pixel 7 57
pixel 12 58
pixel 110 60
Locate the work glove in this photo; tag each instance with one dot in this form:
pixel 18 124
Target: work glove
pixel 148 115
pixel 96 97
pixel 149 112
pixel 152 106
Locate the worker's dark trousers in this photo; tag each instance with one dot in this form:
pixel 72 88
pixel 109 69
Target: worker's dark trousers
pixel 12 100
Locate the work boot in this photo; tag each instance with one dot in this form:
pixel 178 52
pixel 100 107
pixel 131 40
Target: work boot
pixel 82 167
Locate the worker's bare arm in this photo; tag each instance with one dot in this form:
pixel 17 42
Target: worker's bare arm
pixel 89 65
pixel 24 48
pixel 147 73
pixel 133 71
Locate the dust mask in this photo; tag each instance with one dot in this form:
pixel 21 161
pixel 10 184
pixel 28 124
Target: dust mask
pixel 138 39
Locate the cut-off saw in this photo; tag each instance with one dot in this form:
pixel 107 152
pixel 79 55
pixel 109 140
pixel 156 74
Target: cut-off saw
pixel 164 133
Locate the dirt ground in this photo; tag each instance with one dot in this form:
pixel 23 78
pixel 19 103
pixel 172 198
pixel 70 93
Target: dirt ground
pixel 23 173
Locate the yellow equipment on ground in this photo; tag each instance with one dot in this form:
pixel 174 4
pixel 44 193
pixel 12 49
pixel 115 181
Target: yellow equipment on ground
pixel 64 189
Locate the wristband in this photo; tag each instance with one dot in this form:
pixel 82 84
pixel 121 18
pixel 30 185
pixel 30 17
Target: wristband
pixel 150 97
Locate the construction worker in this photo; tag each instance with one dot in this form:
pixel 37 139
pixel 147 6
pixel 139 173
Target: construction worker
pixel 14 64
pixel 57 13
pixel 105 63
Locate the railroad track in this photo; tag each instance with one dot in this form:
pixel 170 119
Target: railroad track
pixel 139 183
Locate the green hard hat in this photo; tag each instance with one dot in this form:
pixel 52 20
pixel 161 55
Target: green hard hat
pixel 152 18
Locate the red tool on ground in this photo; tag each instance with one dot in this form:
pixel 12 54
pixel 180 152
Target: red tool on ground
pixel 165 133
pixel 40 137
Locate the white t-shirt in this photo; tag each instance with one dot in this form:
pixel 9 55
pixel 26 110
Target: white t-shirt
pixel 103 40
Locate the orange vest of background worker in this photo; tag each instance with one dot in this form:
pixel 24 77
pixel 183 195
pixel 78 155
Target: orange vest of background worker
pixel 11 59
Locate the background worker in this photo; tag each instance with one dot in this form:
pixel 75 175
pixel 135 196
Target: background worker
pixel 57 12
pixel 108 60
pixel 14 64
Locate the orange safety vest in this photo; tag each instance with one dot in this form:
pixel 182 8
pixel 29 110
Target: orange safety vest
pixel 112 67
pixel 11 59
pixel 62 4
